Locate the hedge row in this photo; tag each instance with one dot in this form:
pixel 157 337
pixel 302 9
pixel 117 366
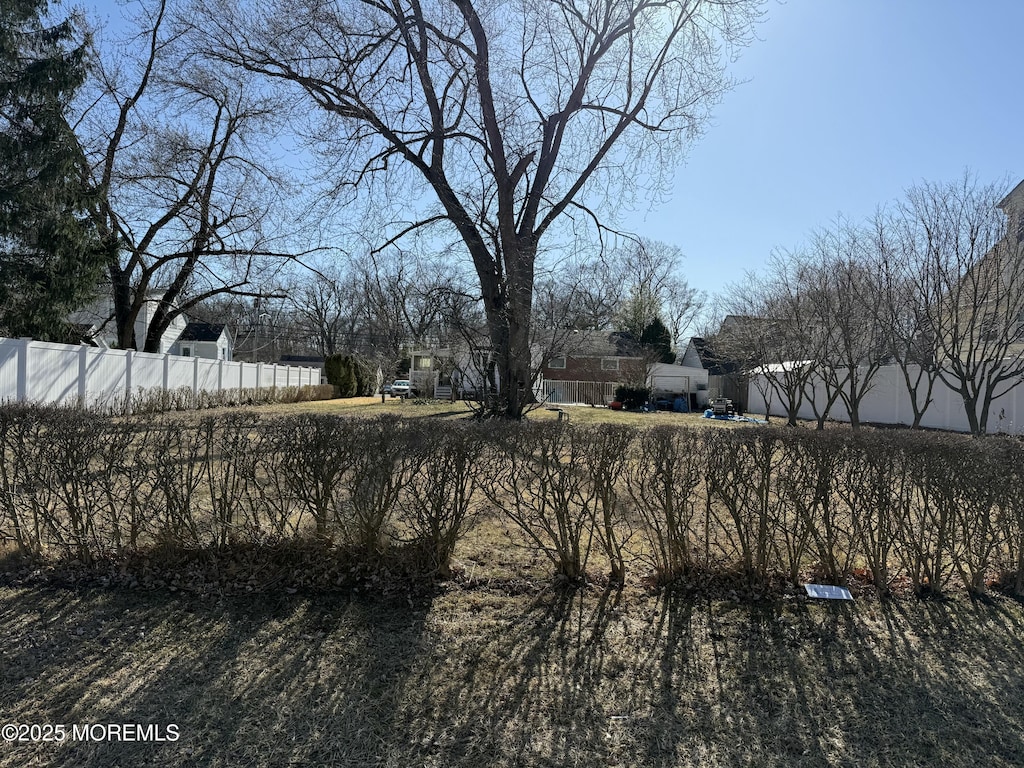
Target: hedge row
pixel 159 400
pixel 664 502
pixel 80 486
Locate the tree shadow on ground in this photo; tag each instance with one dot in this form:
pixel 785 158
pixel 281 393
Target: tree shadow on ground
pixel 527 690
pixel 490 677
pixel 277 681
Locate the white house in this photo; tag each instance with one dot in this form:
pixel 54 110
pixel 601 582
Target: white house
pixel 99 318
pixel 207 340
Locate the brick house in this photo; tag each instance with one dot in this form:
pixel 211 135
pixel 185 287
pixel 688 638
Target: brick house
pixel 596 356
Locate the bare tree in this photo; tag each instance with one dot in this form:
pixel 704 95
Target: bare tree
pixel 328 307
pixel 847 300
pixel 969 268
pixel 773 333
pixel 581 292
pixel 516 115
pixel 903 311
pixel 653 287
pixel 177 151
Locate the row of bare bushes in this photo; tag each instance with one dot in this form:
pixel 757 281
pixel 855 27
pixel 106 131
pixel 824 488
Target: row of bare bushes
pixel 669 502
pixel 882 506
pixel 159 400
pixel 78 486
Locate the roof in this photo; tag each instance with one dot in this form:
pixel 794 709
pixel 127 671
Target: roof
pixel 596 344
pixel 784 367
pixel 1017 193
pixel 714 365
pixel 196 331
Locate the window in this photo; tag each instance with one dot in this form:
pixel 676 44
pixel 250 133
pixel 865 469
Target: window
pixel 556 363
pixel 609 363
pixel 988 329
pixel 1018 327
pixel 423 363
pixel 186 351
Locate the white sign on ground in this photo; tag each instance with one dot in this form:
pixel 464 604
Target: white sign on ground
pixel 828 592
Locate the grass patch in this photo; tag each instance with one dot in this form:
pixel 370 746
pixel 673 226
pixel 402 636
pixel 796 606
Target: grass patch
pixel 478 675
pixel 369 407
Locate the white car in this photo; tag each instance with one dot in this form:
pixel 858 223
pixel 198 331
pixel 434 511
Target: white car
pixel 401 388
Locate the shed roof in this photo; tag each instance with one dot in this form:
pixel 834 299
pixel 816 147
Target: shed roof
pixel 196 331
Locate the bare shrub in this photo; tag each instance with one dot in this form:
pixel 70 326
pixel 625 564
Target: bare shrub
pixel 923 530
pixel 178 469
pixel 438 506
pixel 812 513
pixel 386 454
pixel 63 479
pixel 1012 501
pixel 743 504
pixel 876 489
pixel 607 453
pixel 662 482
pixel 22 520
pixel 160 400
pixel 536 478
pixel 124 476
pixel 975 490
pixel 315 454
pixel 230 471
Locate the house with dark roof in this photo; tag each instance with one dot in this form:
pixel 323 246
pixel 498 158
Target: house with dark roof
pixel 207 340
pixel 598 356
pixel 308 361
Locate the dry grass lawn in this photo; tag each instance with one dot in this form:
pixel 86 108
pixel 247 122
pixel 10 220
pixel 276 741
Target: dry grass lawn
pixel 514 674
pixel 577 414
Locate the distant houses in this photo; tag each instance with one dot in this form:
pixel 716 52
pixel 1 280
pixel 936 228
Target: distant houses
pixel 207 340
pixel 94 325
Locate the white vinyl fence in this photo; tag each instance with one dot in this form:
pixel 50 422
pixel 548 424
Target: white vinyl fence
pixel 888 402
pixel 41 372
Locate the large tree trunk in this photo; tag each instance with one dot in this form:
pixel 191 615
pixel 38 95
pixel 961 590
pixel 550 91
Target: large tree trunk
pixel 508 319
pixel 124 316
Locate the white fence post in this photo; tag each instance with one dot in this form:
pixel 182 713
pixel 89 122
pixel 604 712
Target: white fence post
pixel 195 377
pixel 23 368
pixel 129 359
pixel 83 374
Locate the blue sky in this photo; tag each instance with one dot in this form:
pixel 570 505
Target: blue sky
pixel 846 104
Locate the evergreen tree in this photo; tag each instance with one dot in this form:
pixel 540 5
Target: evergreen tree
pixel 347 384
pixel 359 372
pixel 332 369
pixel 50 259
pixel 658 341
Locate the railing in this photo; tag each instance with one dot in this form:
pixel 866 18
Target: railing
pixel 583 392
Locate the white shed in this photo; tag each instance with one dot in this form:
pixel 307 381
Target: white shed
pixel 672 379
